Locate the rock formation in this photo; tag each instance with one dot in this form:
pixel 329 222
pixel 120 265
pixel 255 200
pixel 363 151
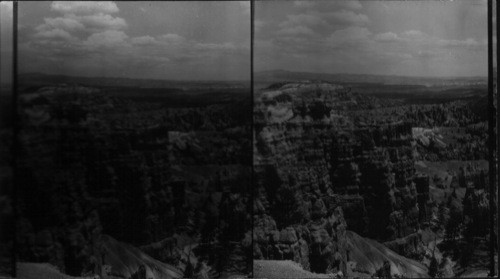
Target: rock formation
pixel 319 171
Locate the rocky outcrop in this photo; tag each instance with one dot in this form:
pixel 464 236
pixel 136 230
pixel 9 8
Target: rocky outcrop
pixel 318 245
pixel 320 152
pixel 321 170
pixel 136 170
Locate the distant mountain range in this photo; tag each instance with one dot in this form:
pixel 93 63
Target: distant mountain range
pixel 37 79
pixel 282 75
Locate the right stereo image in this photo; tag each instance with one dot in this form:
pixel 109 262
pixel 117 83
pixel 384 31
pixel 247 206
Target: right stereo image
pixel 374 147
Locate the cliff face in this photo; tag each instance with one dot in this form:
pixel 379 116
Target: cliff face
pixel 315 162
pixel 93 163
pixel 317 244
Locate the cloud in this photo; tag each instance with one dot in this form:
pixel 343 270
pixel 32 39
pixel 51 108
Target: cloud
pixel 172 38
pixel 350 4
pixel 144 40
pixel 306 20
pixel 340 36
pixel 6 11
pixel 6 18
pixel 386 37
pixel 54 34
pixel 99 22
pixel 258 24
pixel 93 40
pixel 108 38
pixel 210 46
pixel 328 5
pixel 80 20
pixel 469 43
pixel 322 18
pixel 421 39
pixel 353 36
pixel 84 7
pixel 416 35
pixel 346 17
pixel 245 5
pixel 82 29
pixel 61 23
pixel 297 31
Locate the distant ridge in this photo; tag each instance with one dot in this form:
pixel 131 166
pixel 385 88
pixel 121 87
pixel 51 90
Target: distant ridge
pixel 32 79
pixel 283 75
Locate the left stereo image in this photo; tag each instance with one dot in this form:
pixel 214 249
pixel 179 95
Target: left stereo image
pixel 133 135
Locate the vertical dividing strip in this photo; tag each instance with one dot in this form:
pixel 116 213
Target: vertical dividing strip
pixel 495 116
pixel 491 138
pixel 252 182
pixel 15 132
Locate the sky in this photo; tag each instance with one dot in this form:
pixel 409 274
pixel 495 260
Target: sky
pixel 158 40
pixel 5 42
pixel 211 41
pixel 408 38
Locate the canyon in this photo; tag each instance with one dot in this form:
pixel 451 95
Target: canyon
pixel 335 167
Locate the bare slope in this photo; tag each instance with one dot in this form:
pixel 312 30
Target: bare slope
pixel 369 255
pixel 366 257
pixel 123 259
pixel 282 269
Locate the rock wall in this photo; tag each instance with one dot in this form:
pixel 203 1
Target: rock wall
pixel 137 171
pixel 323 155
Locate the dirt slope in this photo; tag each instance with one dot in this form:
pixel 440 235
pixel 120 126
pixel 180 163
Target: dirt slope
pixel 369 255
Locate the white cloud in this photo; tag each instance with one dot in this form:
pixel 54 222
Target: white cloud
pixel 54 34
pixel 94 40
pixel 345 41
pixel 82 22
pixel 426 54
pixel 416 35
pixel 467 43
pixel 350 4
pixel 6 10
pixel 108 38
pixel 321 21
pixel 258 24
pixel 172 38
pixel 348 18
pixel 61 23
pixel 386 37
pixel 353 36
pixel 332 5
pixel 245 5
pixel 224 46
pixel 144 40
pixel 417 38
pixel 100 22
pixel 296 31
pixel 303 20
pixel 84 7
pixel 6 18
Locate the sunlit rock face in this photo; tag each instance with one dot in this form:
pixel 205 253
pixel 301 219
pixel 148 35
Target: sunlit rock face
pixel 313 158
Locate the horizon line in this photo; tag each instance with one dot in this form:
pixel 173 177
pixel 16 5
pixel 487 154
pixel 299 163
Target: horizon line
pixel 138 78
pixel 380 75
